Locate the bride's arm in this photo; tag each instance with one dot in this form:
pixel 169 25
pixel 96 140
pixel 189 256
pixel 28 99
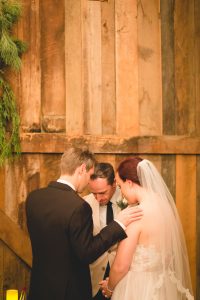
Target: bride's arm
pixel 124 254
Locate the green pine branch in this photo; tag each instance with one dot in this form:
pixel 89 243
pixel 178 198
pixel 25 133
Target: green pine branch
pixel 9 123
pixel 10 58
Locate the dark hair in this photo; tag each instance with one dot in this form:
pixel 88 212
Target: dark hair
pixel 127 169
pixel 104 170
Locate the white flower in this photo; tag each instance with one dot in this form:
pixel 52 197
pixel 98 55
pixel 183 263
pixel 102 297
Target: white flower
pixel 122 203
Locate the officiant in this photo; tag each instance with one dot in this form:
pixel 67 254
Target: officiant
pixel 105 200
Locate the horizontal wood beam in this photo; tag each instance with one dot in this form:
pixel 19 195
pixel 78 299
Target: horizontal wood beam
pixel 15 238
pixel 58 143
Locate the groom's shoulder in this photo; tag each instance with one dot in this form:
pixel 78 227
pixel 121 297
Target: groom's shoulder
pixel 42 191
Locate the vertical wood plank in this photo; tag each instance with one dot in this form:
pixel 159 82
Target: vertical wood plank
pixel 74 67
pixel 30 76
pixel 32 170
pixel 169 173
pixel 127 107
pixel 185 66
pixel 2 187
pixel 186 205
pixel 19 178
pixel 1 270
pixel 49 168
pixel 198 231
pixel 167 49
pixel 197 64
pixel 108 158
pixel 93 104
pixel 12 176
pixel 52 65
pixel 108 67
pixel 29 180
pixel 150 78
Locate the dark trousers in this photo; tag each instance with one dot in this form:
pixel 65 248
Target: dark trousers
pixel 99 295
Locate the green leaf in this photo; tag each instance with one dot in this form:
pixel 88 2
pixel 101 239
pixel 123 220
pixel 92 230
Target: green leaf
pixel 10 51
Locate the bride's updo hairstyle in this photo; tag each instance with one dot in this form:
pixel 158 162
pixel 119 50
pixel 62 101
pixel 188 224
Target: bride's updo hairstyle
pixel 127 169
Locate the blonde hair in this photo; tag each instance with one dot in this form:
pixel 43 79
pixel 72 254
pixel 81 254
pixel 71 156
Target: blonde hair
pixel 73 158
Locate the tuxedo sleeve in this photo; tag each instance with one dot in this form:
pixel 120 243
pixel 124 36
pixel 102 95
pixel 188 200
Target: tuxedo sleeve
pixel 88 247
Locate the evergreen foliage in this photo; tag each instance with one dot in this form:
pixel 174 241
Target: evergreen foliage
pixel 10 52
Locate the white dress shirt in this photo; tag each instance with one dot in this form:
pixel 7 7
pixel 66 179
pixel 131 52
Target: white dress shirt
pixel 66 182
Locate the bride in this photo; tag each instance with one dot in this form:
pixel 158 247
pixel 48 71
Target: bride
pixel 152 263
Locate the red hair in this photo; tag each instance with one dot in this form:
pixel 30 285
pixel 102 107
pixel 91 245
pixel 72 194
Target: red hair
pixel 127 169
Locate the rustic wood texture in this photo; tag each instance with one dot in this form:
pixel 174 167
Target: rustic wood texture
pixel 184 66
pixel 167 48
pixel 121 77
pixel 15 275
pixel 30 75
pixel 15 238
pixel 169 173
pixel 197 63
pixel 149 65
pixel 127 106
pixel 2 185
pixel 57 143
pixel 52 66
pixel 93 109
pixel 19 177
pixel 198 231
pixel 108 83
pixel 49 168
pixel 12 177
pixel 1 268
pixel 74 66
pixel 186 203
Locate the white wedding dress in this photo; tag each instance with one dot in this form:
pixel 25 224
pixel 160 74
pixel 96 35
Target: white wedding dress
pixel 159 268
pixel 146 281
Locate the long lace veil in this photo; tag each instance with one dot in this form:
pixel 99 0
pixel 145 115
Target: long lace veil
pixel 175 266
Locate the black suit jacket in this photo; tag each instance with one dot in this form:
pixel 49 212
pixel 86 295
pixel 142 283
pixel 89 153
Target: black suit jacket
pixel 61 232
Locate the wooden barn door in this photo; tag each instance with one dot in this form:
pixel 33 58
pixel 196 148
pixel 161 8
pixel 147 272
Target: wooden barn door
pixel 121 77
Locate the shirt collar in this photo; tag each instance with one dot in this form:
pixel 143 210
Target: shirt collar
pixel 66 182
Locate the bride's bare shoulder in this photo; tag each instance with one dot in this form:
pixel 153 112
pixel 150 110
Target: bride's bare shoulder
pixel 134 227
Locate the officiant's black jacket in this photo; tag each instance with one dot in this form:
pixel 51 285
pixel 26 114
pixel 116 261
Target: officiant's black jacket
pixel 61 232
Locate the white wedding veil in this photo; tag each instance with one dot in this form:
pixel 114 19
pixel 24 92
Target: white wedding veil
pixel 175 266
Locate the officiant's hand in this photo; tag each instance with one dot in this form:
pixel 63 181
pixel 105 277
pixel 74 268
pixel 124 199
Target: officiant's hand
pixel 104 288
pixel 129 215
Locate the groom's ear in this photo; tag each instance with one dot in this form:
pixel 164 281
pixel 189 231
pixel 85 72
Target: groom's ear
pixel 82 169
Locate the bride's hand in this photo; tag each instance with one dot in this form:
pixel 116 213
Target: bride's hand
pixel 104 287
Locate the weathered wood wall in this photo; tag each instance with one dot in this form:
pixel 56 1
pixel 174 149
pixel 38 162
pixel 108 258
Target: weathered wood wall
pixel 119 76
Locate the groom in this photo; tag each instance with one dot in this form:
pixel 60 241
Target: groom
pixel 60 226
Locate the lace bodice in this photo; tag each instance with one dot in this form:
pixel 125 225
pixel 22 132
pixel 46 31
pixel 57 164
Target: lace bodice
pixel 147 259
